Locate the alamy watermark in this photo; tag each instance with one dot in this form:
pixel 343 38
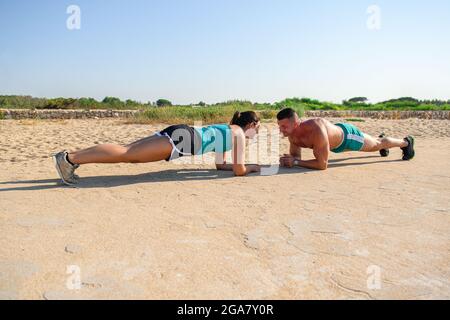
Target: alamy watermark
pixel 374 19
pixel 73 22
pixel 374 277
pixel 73 282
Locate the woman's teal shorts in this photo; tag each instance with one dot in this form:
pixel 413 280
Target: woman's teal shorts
pixel 353 138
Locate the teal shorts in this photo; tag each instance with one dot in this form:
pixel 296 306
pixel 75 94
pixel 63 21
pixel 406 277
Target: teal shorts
pixel 353 138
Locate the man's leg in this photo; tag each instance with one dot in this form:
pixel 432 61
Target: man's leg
pixel 372 144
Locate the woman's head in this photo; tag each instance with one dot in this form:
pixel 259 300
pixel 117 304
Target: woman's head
pixel 248 121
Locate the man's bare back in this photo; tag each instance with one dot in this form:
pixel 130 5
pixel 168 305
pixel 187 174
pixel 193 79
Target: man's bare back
pixel 303 136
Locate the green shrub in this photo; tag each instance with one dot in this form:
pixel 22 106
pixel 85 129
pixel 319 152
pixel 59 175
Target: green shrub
pixel 163 103
pixel 60 103
pixel 358 100
pixel 268 114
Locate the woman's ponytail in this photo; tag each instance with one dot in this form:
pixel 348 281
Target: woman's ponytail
pixel 235 119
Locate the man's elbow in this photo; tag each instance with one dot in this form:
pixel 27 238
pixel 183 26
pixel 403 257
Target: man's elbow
pixel 323 166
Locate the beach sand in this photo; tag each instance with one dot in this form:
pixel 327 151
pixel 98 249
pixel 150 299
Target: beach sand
pixel 367 228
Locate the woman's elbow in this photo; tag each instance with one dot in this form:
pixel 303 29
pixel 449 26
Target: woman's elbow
pixel 239 171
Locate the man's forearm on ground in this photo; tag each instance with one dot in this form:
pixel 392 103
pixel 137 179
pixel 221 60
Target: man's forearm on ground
pixel 311 164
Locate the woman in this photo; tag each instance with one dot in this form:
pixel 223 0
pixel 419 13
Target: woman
pixel 169 144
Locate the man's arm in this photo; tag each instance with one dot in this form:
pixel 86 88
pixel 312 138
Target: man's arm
pixel 321 149
pixel 295 151
pixel 321 152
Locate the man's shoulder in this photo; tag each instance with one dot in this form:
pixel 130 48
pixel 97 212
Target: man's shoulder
pixel 317 121
pixel 313 124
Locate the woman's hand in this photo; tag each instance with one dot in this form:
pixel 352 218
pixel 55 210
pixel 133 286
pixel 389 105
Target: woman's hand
pixel 253 168
pixel 241 170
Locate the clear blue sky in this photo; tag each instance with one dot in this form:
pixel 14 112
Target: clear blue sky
pixel 217 50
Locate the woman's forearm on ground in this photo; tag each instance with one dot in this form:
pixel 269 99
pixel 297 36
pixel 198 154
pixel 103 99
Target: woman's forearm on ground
pixel 224 167
pixel 242 170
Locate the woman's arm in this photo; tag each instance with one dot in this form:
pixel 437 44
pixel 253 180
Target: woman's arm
pixel 229 167
pixel 221 163
pixel 239 168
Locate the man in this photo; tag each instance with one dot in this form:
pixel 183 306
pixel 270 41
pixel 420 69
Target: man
pixel 322 136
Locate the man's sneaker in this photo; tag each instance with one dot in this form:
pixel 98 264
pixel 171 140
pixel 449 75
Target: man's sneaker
pixel 408 151
pixel 65 169
pixel 383 152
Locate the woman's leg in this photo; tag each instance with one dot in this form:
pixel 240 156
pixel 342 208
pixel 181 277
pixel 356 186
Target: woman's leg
pixel 149 149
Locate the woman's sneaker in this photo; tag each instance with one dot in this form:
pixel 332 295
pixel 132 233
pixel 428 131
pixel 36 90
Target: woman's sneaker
pixel 408 151
pixel 383 152
pixel 65 170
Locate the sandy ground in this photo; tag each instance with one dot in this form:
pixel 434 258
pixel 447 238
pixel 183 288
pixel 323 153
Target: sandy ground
pixel 368 228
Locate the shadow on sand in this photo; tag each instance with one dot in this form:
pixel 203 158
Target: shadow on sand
pixel 172 175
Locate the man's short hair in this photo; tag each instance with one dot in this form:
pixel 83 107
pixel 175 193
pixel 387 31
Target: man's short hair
pixel 287 113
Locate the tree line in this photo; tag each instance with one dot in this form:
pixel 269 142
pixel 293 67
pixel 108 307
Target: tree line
pixel 404 103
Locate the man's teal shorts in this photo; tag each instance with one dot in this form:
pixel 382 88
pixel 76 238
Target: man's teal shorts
pixel 353 138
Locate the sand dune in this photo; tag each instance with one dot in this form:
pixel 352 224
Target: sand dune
pixel 182 230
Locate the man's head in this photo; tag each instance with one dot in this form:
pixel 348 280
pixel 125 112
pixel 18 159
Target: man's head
pixel 288 121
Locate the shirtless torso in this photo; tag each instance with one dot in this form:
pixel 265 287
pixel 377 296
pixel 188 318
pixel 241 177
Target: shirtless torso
pixel 305 136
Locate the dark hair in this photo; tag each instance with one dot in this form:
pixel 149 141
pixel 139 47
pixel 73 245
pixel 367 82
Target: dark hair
pixel 242 119
pixel 287 113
